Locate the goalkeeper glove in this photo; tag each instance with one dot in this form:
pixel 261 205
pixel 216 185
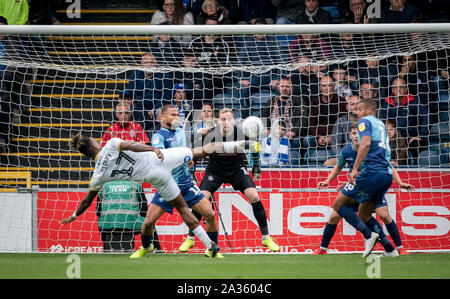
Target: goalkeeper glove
pixel 256 169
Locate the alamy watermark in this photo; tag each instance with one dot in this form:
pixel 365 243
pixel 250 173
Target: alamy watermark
pixel 74 268
pixel 374 266
pixel 73 11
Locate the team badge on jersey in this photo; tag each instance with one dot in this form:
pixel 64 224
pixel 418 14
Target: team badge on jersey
pixel 362 127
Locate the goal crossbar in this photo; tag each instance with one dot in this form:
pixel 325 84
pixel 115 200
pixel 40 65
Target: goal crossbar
pixel 223 29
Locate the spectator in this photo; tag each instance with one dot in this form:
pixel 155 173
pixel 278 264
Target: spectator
pixel 125 128
pixel 398 144
pixel 201 128
pixel 173 12
pixel 288 11
pixel 207 121
pixel 275 147
pixel 119 223
pixel 356 13
pixel 166 49
pixel 367 91
pixel 345 45
pixel 290 109
pixel 212 8
pixel 342 81
pixel 416 75
pixel 324 110
pixel 308 45
pixel 42 12
pixel 313 14
pixel 399 12
pixel 211 50
pixel 199 85
pixel 410 114
pixel 257 50
pixel 14 11
pixel 251 10
pixel 305 79
pixel 375 72
pixel 341 128
pixel 147 89
pixel 435 11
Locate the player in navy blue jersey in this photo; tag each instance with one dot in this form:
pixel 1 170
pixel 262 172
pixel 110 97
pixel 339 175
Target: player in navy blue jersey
pixel 347 157
pixel 369 185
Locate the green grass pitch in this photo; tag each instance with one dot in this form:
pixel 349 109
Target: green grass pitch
pixel 234 266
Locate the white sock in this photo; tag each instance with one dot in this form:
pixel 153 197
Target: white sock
pixel 203 236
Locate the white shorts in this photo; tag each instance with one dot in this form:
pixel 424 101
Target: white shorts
pixel 160 176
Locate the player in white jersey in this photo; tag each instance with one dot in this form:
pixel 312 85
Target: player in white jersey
pixel 122 160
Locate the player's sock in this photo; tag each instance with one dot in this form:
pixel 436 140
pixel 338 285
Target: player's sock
pixel 213 236
pixel 156 240
pixel 197 215
pixel 328 234
pixel 350 216
pixel 375 226
pixel 261 218
pixel 394 233
pixel 203 236
pixel 146 241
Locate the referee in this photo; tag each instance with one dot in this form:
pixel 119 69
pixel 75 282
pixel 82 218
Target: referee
pixel 231 168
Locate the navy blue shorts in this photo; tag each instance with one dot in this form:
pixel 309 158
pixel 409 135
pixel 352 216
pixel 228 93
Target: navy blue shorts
pixel 191 194
pixel 371 187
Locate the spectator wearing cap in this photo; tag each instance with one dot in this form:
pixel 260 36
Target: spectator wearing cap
pixel 180 101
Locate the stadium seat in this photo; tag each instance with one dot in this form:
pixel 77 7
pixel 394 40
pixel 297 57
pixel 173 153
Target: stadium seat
pixel 440 133
pixel 316 157
pixel 257 101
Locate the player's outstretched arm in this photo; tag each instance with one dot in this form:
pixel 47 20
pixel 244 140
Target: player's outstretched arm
pixel 399 181
pixel 139 147
pixel 84 205
pixel 331 176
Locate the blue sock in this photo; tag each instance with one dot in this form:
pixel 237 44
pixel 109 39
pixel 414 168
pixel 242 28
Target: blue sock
pixel 328 234
pixel 394 233
pixel 213 236
pixel 375 226
pixel 350 216
pixel 146 241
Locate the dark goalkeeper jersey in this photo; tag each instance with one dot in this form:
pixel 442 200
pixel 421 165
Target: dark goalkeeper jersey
pixel 225 165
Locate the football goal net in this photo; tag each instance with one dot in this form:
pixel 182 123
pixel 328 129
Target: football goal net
pixel 303 81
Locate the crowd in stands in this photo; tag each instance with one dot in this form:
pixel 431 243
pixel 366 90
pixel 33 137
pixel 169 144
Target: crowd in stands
pixel 308 110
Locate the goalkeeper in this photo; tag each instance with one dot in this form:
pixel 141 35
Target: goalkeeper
pixel 230 168
pixel 348 156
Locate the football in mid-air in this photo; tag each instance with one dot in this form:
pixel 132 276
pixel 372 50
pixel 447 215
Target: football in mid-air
pixel 252 127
